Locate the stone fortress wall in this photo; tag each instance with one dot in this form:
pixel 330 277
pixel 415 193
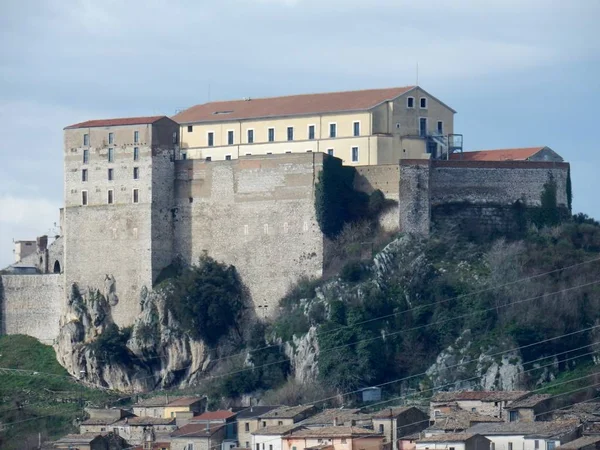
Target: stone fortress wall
pixel 256 213
pixel 483 194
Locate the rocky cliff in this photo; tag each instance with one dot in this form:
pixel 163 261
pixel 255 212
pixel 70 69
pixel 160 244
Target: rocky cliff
pixel 154 353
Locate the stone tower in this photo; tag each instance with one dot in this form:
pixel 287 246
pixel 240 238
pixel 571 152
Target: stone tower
pixel 119 177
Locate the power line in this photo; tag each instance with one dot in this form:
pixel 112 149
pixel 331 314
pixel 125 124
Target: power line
pixel 415 308
pixel 495 308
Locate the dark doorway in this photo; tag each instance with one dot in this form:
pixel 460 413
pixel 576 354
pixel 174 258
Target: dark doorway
pixel 56 267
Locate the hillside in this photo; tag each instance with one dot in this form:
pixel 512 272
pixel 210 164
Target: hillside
pixel 447 313
pixel 38 395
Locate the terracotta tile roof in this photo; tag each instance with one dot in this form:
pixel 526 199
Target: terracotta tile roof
pixel 287 412
pixel 107 421
pixel 185 401
pixel 115 122
pixel 327 416
pixel 334 432
pixel 486 396
pixel 503 154
pixel 448 437
pixel 254 411
pixel 392 412
pixel 459 419
pixel 80 438
pixel 580 443
pixel 530 401
pixel 196 430
pixel 293 105
pixel 529 429
pixel 214 415
pixel 277 430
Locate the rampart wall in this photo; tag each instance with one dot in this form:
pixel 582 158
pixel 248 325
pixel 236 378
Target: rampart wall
pixel 32 305
pixel 480 194
pixel 256 213
pixel 386 178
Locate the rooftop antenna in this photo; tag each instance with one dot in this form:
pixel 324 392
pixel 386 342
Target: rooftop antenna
pixel 417 73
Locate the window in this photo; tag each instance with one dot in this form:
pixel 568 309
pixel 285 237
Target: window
pixel 451 448
pixel 257 446
pixel 381 428
pixel 247 444
pixel 510 446
pixel 332 130
pixel 294 448
pixel 174 137
pixel 279 422
pixel 423 102
pixel 136 196
pixel 111 174
pixel 86 156
pixel 264 424
pixel 111 138
pixel 440 129
pixel 270 446
pixel 184 156
pixel 550 445
pixel 86 139
pixel 84 199
pixel 354 154
pixel 207 159
pixel 271 133
pixel 513 416
pixel 136 173
pixel 247 429
pixel 190 128
pixel 356 129
pixel 136 153
pixel 330 151
pixel 311 132
pixel 473 409
pixel 230 137
pixel 410 102
pixel 111 155
pixel 210 138
pixel 109 198
pixel 250 136
pixel 84 175
pixel 227 157
pixel 290 133
pixel 423 126
pixel 136 137
pixel 536 444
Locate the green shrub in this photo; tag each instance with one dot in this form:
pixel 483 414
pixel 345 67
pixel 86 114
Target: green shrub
pixel 111 345
pixel 206 299
pixel 353 272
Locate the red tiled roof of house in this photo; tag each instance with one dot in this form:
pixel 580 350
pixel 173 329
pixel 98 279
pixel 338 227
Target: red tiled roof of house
pixel 214 415
pixel 292 105
pixel 115 122
pixel 503 154
pixel 196 430
pixel 490 396
pixel 185 401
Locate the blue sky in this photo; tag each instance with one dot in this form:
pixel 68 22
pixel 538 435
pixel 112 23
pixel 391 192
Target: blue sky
pixel 519 73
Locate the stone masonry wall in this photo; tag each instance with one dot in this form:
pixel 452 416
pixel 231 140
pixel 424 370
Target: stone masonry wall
pixel 477 194
pixel 32 305
pixel 414 204
pixel 256 213
pixel 387 179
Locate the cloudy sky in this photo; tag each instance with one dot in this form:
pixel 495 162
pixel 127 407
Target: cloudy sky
pixel 519 73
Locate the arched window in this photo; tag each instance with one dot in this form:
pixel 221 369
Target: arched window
pixel 56 267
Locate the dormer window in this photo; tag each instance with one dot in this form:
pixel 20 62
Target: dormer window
pixel 423 101
pixel 410 102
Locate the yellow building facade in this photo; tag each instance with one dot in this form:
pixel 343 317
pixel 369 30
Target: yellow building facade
pixel 379 126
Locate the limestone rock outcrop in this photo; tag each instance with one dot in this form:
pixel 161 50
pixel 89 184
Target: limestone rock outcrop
pixel 153 353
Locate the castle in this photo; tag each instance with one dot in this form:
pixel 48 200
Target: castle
pixel 237 180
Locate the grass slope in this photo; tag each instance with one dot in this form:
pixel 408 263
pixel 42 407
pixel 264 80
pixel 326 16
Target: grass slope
pixel 42 401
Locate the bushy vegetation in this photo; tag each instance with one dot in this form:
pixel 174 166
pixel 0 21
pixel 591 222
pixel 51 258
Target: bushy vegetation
pixel 206 299
pixel 41 397
pixel 375 331
pixel 111 345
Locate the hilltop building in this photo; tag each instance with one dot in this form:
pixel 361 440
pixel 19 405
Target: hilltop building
pixel 369 127
pixel 238 180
